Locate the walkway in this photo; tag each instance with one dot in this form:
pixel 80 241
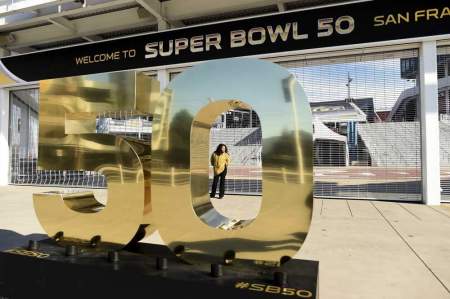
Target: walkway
pixel 366 249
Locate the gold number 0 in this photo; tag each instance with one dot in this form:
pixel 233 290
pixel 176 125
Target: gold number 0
pixel 67 140
pixel 181 205
pixel 182 118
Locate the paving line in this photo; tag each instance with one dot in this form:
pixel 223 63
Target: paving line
pixel 412 249
pixel 348 205
pixel 439 211
pixel 409 211
pixel 321 207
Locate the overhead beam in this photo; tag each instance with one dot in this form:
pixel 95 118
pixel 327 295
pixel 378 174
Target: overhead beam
pixel 163 24
pixel 155 13
pixel 38 20
pixel 153 7
pixel 86 28
pixel 281 6
pixel 27 6
pixel 64 23
pixel 176 24
pixel 4 52
pixel 93 38
pixel 174 10
pixel 7 38
pixel 25 50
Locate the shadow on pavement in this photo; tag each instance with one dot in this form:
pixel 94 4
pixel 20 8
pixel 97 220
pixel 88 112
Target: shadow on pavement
pixel 10 239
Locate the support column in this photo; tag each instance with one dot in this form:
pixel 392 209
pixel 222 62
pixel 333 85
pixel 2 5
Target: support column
pixel 163 77
pixel 4 135
pixel 429 118
pixel 4 130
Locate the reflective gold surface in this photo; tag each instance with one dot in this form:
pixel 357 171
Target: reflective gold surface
pixel 67 141
pixel 182 209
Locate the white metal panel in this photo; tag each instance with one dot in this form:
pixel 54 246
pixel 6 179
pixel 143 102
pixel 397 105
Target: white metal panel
pixel 381 158
pixel 429 117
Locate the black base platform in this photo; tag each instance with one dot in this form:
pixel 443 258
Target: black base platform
pixel 50 271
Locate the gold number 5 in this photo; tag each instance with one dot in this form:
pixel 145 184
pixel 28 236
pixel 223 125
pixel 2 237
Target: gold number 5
pixel 67 140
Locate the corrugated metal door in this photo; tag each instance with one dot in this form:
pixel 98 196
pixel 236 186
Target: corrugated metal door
pixel 366 125
pixel 443 62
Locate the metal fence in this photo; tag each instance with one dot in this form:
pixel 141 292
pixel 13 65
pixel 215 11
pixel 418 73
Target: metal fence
pixel 23 168
pixel 24 171
pixel 443 64
pixel 366 131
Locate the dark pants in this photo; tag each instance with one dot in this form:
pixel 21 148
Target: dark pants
pixel 221 186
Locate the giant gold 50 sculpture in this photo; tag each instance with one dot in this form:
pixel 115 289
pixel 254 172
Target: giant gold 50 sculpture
pixel 142 191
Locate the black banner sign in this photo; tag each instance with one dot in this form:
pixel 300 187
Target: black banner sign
pixel 350 24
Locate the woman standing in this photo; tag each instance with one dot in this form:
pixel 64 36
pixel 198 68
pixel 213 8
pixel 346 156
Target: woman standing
pixel 220 159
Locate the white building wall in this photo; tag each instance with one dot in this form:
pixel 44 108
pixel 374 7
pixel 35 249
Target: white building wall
pixel 429 117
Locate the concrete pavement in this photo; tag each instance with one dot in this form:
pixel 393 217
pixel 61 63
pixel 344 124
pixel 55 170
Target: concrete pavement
pixel 366 249
pixel 380 249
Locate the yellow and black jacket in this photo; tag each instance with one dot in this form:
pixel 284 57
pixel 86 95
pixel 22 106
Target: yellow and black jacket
pixel 219 162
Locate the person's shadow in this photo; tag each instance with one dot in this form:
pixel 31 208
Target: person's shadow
pixel 10 239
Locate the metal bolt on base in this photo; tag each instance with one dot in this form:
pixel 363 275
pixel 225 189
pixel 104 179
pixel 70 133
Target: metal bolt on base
pixel 33 245
pixel 216 270
pixel 71 250
pixel 161 263
pixel 280 278
pixel 113 256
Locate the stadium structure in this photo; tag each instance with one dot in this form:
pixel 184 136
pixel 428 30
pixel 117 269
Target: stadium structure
pixel 371 101
pixel 348 134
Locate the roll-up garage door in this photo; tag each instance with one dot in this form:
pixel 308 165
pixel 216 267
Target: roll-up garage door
pixel 443 63
pixel 366 125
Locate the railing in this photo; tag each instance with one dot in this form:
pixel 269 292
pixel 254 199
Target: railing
pixel 23 171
